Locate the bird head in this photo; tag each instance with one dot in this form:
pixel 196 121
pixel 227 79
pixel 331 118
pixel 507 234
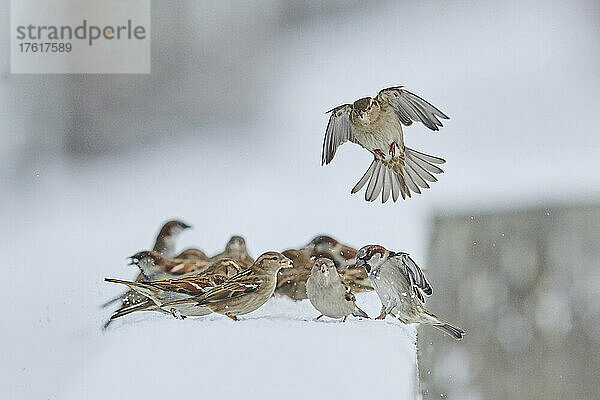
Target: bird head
pixel 366 109
pixel 371 257
pixel 173 228
pixel 272 262
pixel 148 257
pixel 324 268
pixel 236 244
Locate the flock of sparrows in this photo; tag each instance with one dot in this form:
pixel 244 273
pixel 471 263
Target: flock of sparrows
pixel 232 283
pixel 325 272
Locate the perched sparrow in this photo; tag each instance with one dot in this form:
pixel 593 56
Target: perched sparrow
pixel 292 282
pixel 376 124
pixel 157 292
pixel 154 267
pixel 328 294
pixel 192 255
pixel 236 250
pixel 240 294
pixel 165 240
pixel 165 246
pixel 401 287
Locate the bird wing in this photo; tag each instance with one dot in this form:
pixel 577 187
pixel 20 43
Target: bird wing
pixel 337 133
pixel 192 285
pixel 414 275
pixel 409 107
pixel 192 255
pixel 240 284
pixel 182 266
pixel 349 295
pixel 226 267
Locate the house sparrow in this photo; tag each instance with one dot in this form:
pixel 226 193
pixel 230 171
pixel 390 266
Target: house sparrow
pixel 235 249
pixel 155 293
pixel 376 124
pixel 240 294
pixel 328 293
pixel 164 244
pixel 292 282
pixel 154 267
pixel 165 240
pixel 401 287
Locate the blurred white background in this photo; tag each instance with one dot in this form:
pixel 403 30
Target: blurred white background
pixel 226 134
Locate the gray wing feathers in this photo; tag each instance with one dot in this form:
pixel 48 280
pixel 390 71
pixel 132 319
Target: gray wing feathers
pixel 414 274
pixel 409 107
pixel 337 133
pixel 399 180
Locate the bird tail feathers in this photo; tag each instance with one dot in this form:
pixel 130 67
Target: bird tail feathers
pixel 399 176
pixel 454 331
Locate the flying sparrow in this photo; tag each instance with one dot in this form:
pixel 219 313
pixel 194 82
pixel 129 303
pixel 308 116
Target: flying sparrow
pixel 236 250
pixel 401 287
pixel 240 294
pixel 328 293
pixel 376 124
pixel 158 292
pixel 292 282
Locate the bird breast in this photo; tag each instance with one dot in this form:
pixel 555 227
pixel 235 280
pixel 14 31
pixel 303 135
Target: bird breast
pixel 379 134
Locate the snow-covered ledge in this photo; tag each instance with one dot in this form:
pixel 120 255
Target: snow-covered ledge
pixel 277 352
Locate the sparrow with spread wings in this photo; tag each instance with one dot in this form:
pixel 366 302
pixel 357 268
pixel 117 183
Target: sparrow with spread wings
pixel 376 124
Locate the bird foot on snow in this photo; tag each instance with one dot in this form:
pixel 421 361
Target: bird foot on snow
pixel 382 316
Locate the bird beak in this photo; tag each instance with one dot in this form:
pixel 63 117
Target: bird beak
pixel 323 269
pixel 186 226
pixel 286 263
pixel 132 260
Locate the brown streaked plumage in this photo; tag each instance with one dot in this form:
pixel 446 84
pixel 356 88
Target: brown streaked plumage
pixel 242 293
pixel 376 125
pixel 192 254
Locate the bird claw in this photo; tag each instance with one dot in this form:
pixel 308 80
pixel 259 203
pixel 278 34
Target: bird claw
pixel 379 153
pixel 233 317
pixel 382 316
pixel 177 315
pixel 393 148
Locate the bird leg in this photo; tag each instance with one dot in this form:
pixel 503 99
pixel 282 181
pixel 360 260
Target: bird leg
pixel 382 315
pixel 176 314
pixel 233 317
pixel 379 153
pixel 393 147
pixel 344 319
pixel 319 317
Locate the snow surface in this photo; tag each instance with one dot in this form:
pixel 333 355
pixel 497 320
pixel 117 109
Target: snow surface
pixel 278 351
